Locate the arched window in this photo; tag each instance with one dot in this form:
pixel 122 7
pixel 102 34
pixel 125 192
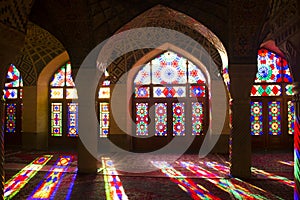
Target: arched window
pixel 13 106
pixel 272 108
pixel 63 112
pixel 177 89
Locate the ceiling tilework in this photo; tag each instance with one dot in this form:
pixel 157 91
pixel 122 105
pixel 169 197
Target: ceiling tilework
pixel 39 49
pixel 14 13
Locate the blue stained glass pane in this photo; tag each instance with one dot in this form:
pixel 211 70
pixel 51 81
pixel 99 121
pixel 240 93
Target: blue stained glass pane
pixel 72 119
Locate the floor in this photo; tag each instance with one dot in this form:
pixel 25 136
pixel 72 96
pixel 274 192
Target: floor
pixel 53 175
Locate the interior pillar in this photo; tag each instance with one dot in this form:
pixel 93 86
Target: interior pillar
pixel 297 140
pixel 11 43
pixel 242 77
pixel 87 163
pixel 31 138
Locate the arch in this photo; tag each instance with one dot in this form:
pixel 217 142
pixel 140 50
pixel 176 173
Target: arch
pixel 148 18
pixel 42 94
pixel 13 92
pixel 272 109
pixel 150 56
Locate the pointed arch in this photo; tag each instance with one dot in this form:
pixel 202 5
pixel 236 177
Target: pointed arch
pixel 167 16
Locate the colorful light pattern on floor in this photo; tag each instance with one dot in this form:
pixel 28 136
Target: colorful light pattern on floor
pixel 225 184
pixel 18 181
pixel 288 163
pixel 113 185
pixel 196 191
pixel 68 196
pixel 275 177
pixel 297 153
pixel 47 188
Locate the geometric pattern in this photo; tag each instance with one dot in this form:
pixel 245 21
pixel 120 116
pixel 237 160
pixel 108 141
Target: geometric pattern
pixel 256 118
pixel 169 92
pixel 169 68
pixel 272 68
pixel 13 77
pixel 40 48
pixel 197 91
pixel 178 119
pixel 289 90
pixel 10 119
pixel 56 119
pixel 266 90
pixel 143 76
pixel 48 187
pixel 195 74
pixel 104 93
pixel 113 185
pixel 291 117
pixel 142 92
pixel 104 119
pixel 274 118
pixel 197 118
pixel 161 119
pixel 142 118
pixel 18 181
pixel 72 119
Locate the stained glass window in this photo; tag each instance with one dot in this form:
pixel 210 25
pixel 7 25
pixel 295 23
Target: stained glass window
pixel 142 92
pixel 169 68
pixel 172 91
pixel 56 119
pixel 291 117
pixel 289 90
pixel 274 118
pixel 13 100
pixel 256 118
pixel 64 112
pixel 72 119
pixel 178 119
pixel 271 90
pixel 266 90
pixel 103 103
pixel 11 117
pixel 142 115
pixel 197 118
pixel 161 119
pixel 272 68
pixel 197 91
pixel 104 119
pixel 161 82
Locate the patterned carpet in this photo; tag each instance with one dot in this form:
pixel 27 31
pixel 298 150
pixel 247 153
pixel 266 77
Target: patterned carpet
pixel 189 177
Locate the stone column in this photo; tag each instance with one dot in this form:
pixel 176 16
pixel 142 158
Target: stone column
pixel 242 77
pixel 10 45
pixel 297 140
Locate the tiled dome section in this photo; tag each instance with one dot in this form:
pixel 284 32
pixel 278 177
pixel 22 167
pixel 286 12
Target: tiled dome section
pixel 40 48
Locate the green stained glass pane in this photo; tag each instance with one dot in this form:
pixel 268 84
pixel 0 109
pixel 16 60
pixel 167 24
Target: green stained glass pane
pixel 289 90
